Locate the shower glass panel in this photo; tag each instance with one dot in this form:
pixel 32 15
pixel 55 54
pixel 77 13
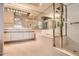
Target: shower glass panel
pixel 72 12
pixel 59 36
pixel 54 21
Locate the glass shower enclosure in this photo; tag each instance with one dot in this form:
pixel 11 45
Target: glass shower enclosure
pixel 61 20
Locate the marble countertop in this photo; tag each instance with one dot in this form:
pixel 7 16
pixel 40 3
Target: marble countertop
pixel 18 30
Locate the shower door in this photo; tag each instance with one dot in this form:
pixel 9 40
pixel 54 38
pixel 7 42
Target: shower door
pixel 72 20
pixel 59 25
pixel 56 26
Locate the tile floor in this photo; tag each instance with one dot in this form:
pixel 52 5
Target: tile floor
pixel 40 47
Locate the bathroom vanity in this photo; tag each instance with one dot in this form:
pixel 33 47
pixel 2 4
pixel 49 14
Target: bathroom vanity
pixel 15 34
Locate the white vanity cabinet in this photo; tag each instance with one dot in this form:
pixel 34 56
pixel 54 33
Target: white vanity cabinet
pixel 18 34
pixel 29 35
pixel 26 35
pixel 7 36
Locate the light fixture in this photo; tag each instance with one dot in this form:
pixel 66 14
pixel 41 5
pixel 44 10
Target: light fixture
pixel 14 10
pixel 8 9
pixel 17 11
pixel 11 10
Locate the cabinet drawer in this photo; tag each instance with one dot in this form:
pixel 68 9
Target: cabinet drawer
pixel 16 36
pixel 7 36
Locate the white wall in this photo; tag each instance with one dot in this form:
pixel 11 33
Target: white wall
pixel 1 29
pixel 73 16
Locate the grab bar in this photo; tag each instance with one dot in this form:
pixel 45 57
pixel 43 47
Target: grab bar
pixel 74 23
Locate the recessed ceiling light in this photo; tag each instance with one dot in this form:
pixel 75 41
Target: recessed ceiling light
pixel 14 10
pixel 11 10
pixel 8 9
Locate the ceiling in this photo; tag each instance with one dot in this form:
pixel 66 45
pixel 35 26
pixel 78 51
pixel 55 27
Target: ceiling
pixel 34 8
pixel 35 4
